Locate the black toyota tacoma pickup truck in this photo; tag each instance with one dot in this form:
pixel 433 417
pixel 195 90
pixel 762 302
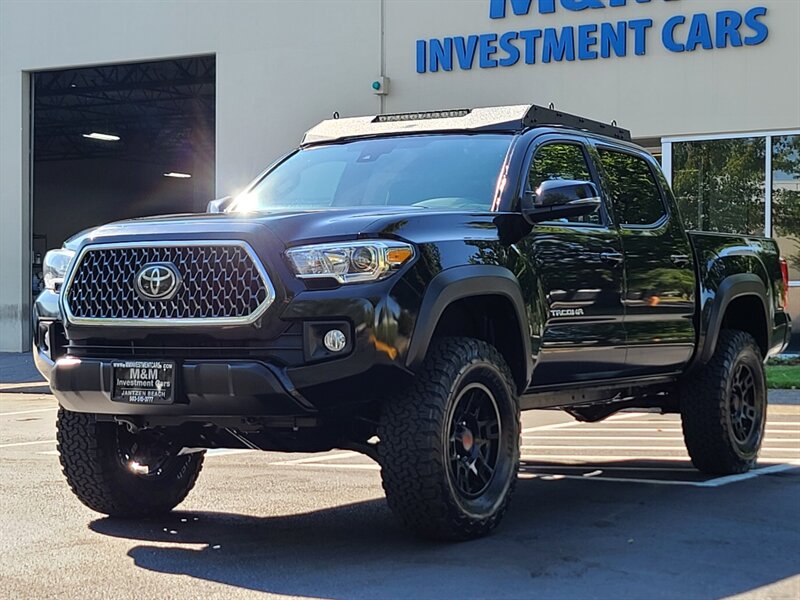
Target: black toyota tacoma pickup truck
pixel 404 285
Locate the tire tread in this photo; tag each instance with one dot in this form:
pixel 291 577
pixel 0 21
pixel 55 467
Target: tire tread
pixel 410 431
pixel 704 406
pixel 91 476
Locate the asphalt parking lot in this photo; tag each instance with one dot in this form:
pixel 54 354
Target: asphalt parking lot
pixel 609 510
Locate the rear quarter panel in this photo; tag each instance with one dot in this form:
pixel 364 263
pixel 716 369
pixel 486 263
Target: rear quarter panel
pixel 720 257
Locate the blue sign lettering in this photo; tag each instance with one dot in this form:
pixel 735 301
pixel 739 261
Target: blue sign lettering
pixel 465 51
pixel 497 8
pixel 613 36
pixel 728 23
pixel 586 40
pixel 592 41
pixel 507 46
pixel 760 31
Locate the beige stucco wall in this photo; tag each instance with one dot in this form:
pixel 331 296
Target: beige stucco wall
pixel 284 64
pixel 660 93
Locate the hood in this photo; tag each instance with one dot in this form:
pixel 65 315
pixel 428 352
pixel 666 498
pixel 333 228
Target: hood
pixel 294 227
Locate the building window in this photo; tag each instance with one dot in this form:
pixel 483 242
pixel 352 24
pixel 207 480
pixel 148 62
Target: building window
pixel 720 184
pixel 786 200
pixel 742 183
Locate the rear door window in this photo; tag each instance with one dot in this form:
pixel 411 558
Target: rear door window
pixel 634 192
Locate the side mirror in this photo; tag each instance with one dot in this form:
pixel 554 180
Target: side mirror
pixel 559 199
pixel 219 205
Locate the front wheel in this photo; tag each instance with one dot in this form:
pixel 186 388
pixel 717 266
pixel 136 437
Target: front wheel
pixel 449 447
pixel 117 473
pixel 724 407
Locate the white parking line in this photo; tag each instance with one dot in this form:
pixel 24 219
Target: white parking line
pixel 585 428
pixel 348 466
pixel 589 429
pixel 658 438
pixel 592 438
pixel 7 387
pixel 625 448
pixel 227 451
pixel 530 472
pixel 212 452
pixel 591 459
pixel 25 412
pixel 711 483
pixel 27 443
pixel 569 424
pixel 749 475
pixel 313 459
pixel 594 428
pixel 552 477
pixel 611 468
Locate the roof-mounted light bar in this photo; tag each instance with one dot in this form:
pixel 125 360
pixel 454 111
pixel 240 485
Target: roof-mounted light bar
pixel 422 116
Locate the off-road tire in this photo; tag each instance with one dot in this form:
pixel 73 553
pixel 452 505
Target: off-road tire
pixel 708 403
pixel 415 442
pixel 89 454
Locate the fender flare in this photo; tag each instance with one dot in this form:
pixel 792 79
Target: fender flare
pixel 461 282
pixel 731 288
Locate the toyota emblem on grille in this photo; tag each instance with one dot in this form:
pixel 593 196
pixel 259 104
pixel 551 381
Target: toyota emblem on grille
pixel 157 281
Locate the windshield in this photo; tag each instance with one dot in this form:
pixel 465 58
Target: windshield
pixel 456 172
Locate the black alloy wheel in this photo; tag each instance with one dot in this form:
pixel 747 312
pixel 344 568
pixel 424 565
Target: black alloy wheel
pixel 745 405
pixel 143 454
pixel 474 435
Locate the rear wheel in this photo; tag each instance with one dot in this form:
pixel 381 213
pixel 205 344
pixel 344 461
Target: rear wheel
pixel 117 473
pixel 449 448
pixel 724 407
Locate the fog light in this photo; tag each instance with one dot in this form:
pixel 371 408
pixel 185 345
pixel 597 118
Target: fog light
pixel 335 340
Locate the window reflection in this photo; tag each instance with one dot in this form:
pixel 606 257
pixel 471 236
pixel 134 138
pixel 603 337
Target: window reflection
pixel 786 199
pixel 635 194
pixel 719 184
pixel 561 161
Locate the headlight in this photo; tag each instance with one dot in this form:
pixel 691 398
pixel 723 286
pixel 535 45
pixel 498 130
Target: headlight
pixel 350 262
pixel 56 263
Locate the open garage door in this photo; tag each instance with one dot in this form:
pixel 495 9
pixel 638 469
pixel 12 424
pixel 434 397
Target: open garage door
pixel 118 141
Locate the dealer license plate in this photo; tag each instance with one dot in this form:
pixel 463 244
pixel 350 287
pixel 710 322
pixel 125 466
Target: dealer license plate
pixel 143 381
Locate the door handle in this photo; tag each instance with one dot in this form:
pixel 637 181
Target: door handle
pixel 612 258
pixel 680 260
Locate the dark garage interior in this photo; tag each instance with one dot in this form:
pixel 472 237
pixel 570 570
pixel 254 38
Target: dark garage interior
pixel 119 141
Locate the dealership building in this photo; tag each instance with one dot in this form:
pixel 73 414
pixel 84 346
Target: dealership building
pixel 118 109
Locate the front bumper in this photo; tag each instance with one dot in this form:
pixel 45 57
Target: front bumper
pixel 276 365
pixel 277 368
pixel 204 390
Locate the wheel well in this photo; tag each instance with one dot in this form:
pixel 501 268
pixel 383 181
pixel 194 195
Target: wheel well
pixel 742 313
pixel 493 320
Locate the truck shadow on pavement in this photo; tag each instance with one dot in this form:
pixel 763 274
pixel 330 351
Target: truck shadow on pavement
pixel 562 538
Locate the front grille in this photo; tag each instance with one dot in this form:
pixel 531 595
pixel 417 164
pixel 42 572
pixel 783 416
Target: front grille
pixel 219 281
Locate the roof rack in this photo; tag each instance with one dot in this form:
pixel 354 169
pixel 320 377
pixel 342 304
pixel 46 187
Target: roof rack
pixel 539 116
pixel 510 119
